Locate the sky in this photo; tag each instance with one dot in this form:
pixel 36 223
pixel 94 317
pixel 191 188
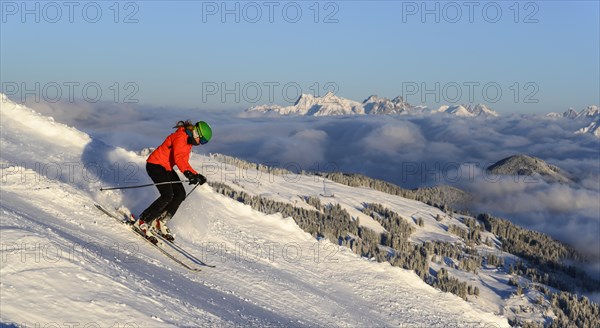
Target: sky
pixel 516 57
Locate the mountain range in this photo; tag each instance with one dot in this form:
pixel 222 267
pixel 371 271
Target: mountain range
pixel 330 105
pixel 592 111
pixel 593 128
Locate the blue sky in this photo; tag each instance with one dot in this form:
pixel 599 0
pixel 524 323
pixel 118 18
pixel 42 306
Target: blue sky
pixel 184 54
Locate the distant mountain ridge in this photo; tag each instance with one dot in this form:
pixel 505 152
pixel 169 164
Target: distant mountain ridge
pixel 331 105
pixel 468 111
pixel 592 111
pixel 593 128
pixel 381 105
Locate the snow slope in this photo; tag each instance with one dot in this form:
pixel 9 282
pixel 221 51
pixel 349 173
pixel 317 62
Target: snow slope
pixel 496 295
pixel 63 261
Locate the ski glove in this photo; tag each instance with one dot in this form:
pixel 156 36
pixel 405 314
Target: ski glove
pixel 195 178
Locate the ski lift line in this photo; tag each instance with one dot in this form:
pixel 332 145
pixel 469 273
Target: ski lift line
pixel 325 194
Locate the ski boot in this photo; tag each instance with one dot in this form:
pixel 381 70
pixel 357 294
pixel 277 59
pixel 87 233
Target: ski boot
pixel 159 225
pixel 144 229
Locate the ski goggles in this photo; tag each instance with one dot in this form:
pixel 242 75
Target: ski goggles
pixel 198 134
pixel 193 137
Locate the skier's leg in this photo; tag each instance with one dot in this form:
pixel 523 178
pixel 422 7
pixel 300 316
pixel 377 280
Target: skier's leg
pixel 178 195
pixel 158 174
pixel 160 225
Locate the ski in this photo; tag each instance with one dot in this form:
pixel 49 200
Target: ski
pixel 105 211
pixel 183 252
pixel 175 247
pixel 138 233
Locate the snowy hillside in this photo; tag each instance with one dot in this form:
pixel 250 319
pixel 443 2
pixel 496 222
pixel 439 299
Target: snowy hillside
pixel 70 263
pixel 331 104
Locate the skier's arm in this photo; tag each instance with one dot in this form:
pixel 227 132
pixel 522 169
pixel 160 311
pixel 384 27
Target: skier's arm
pixel 182 155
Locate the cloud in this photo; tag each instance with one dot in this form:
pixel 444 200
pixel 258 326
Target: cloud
pixel 569 213
pixel 299 149
pixel 393 138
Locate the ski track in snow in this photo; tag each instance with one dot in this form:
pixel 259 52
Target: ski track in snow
pixel 62 256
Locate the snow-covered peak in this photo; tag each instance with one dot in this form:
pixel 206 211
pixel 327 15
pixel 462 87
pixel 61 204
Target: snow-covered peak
pixel 482 110
pixel 372 99
pixel 592 111
pixel 442 109
pixel 304 99
pixel 570 113
pixel 468 110
pixel 330 104
pixel 458 110
pixel 304 103
pixel 589 112
pixel 382 105
pixel 399 100
pixel 593 128
pixel 307 104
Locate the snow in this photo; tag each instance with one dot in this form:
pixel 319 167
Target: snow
pixel 64 261
pixel 379 105
pixel 308 104
pixel 592 111
pixel 468 110
pixel 570 113
pixel 593 128
pixel 589 112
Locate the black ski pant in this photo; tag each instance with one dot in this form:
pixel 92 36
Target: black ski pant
pixel 171 194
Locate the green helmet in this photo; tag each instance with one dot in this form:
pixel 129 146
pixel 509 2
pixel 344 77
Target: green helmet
pixel 204 131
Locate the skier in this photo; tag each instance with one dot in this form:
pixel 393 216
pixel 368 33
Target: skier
pixel 175 150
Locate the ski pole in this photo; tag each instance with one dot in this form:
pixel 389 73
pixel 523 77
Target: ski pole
pixel 145 185
pixel 186 196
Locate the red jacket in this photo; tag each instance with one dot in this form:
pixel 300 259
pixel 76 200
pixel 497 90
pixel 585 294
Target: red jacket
pixel 174 151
